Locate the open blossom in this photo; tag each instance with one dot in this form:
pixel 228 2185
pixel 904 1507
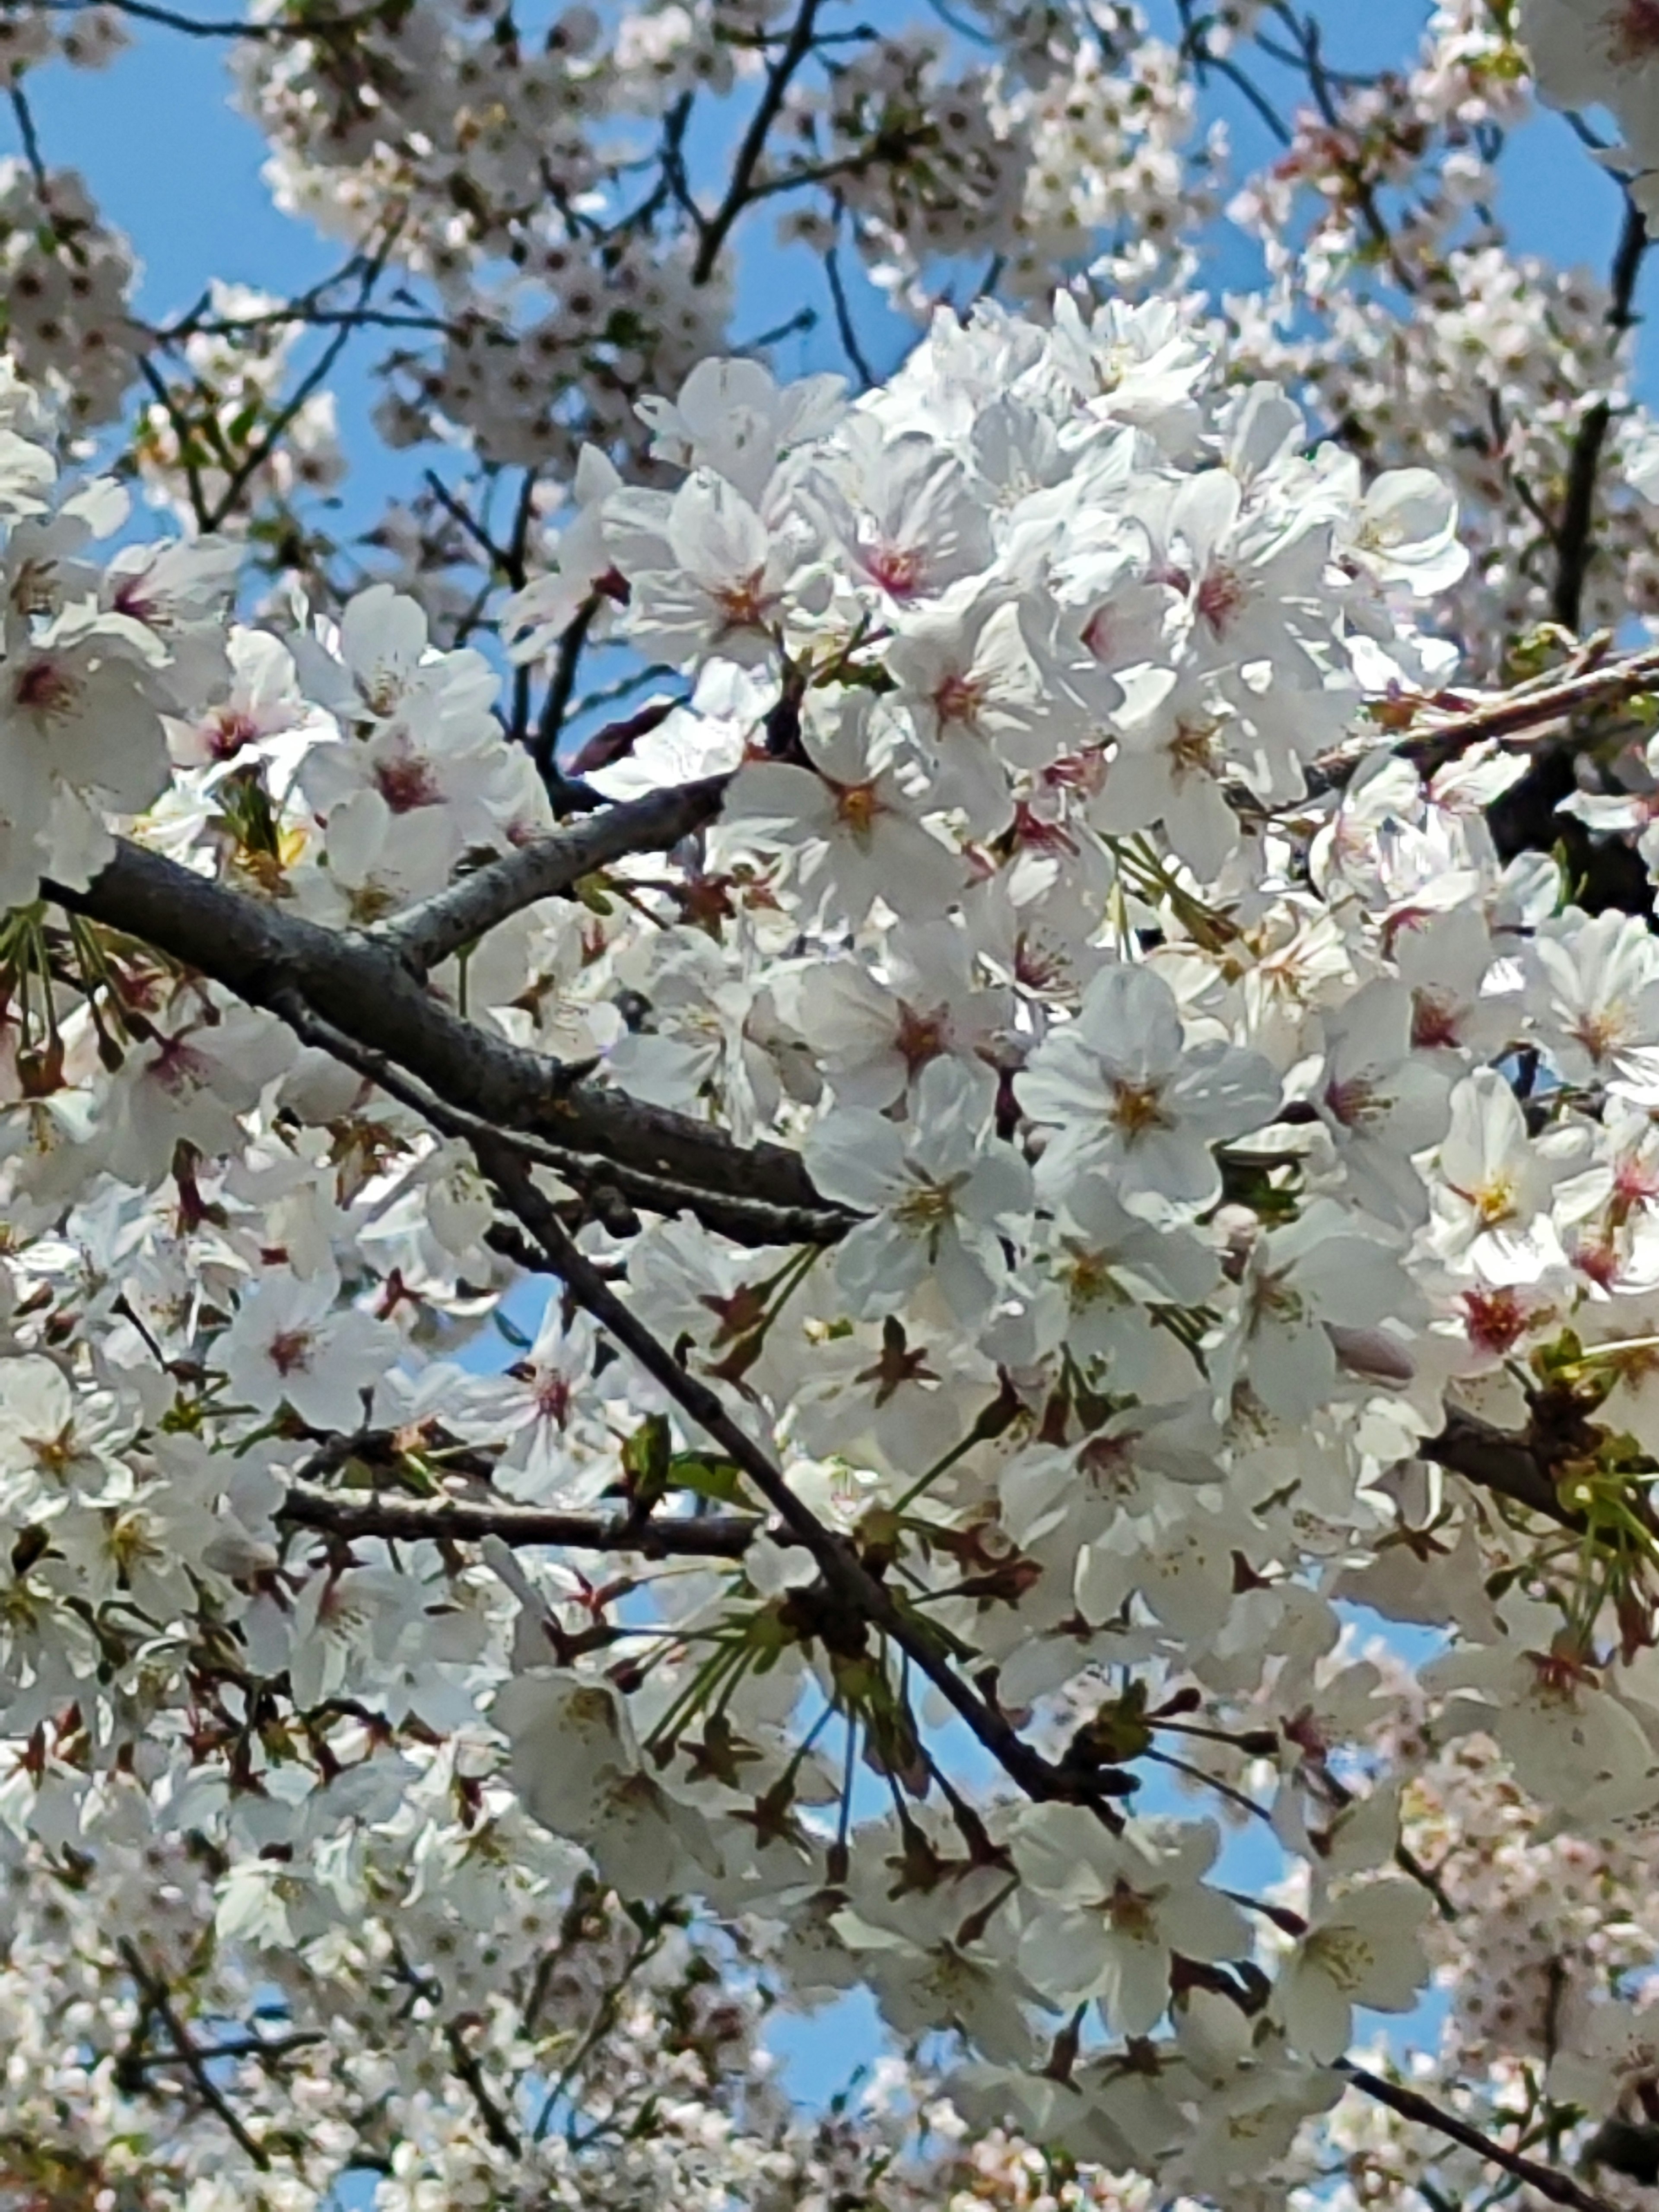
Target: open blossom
pixel 290 1344
pixel 939 1206
pixel 1494 1182
pixel 1130 1099
pixel 1593 995
pixel 845 826
pixel 1360 1949
pixel 1110 1912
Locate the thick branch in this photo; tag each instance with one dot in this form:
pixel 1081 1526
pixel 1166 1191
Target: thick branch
pixel 1559 2188
pixel 608 1188
pixel 268 956
pixel 1508 1466
pixel 550 868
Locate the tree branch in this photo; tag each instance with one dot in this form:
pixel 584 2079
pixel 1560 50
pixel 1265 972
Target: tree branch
pixel 607 1187
pixel 365 1513
pixel 1574 533
pixel 159 1998
pixel 425 935
pixel 1559 2188
pixel 738 192
pixel 268 958
pixel 845 1576
pixel 1508 1466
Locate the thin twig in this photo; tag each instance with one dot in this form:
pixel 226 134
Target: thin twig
pixel 157 1995
pixel 1575 533
pixel 352 1514
pixel 740 189
pixel 849 337
pixel 26 132
pixel 845 1576
pixel 1559 2188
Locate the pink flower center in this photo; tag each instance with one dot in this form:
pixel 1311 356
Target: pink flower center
pixel 1434 1020
pixel 1219 597
pixel 45 689
pixel 896 568
pixel 1634 33
pixel 406 784
pixel 958 699
pixel 130 600
pixel 228 731
pixel 1351 1102
pixel 290 1352
pixel 553 1400
pixel 1495 1320
pixel 921 1036
pixel 180 1069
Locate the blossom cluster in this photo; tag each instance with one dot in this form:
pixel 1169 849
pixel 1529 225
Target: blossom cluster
pixel 794 1341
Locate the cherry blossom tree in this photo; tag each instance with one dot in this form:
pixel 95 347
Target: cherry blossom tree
pixel 839 1182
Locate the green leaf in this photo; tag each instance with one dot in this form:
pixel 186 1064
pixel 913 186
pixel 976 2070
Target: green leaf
pixel 720 1480
pixel 646 1458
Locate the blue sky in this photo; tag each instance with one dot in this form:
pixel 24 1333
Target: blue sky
pixel 179 170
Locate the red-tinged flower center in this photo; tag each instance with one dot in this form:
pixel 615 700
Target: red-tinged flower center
pixel 1560 1675
pixel 958 699
pixel 1097 635
pixel 896 568
pixel 406 784
pixel 1109 1461
pixel 1040 834
pixel 227 731
pixel 45 689
pixel 1634 33
pixel 131 599
pixel 1599 1261
pixel 1219 597
pixel 920 1036
pixel 290 1352
pixel 1352 1102
pixel 1038 966
pixel 180 1069
pixel 1635 1181
pixel 553 1399
pixel 1494 1319
pixel 1434 1020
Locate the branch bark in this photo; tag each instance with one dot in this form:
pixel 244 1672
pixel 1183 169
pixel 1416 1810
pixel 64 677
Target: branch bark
pixel 1575 533
pixel 346 978
pixel 1508 1465
pixel 844 1574
pixel 364 1513
pixel 1559 2188
pixel 425 935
